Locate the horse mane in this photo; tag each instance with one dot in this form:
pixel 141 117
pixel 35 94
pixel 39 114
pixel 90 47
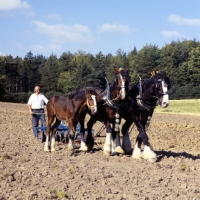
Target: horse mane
pixel 134 89
pixel 112 84
pixel 79 94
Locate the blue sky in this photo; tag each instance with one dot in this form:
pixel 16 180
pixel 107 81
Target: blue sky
pixel 57 26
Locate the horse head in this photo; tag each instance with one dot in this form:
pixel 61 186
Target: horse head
pixel 91 99
pixel 122 80
pixel 160 87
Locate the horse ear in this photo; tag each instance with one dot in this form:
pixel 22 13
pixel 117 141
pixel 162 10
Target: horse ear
pixel 154 72
pixel 116 70
pixel 127 70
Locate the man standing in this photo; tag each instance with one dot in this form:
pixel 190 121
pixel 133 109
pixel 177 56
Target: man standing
pixel 36 104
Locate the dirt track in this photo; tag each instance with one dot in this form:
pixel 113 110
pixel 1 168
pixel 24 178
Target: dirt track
pixel 27 172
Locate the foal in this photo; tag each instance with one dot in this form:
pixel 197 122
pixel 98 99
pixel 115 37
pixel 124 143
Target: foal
pixel 69 108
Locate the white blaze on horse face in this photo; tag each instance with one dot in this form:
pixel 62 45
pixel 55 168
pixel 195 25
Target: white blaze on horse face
pixel 165 98
pixel 123 94
pixel 94 110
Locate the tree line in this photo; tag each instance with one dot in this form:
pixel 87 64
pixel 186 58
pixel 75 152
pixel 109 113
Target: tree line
pixel 69 72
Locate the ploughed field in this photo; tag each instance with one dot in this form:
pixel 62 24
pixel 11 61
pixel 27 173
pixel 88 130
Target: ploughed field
pixel 27 172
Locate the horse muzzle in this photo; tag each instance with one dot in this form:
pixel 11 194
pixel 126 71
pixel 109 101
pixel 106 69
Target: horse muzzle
pixel 93 109
pixel 164 102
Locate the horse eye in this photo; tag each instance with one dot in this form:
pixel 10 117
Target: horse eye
pixel 165 85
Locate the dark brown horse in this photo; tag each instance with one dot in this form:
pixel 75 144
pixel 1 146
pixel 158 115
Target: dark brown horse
pixel 69 108
pixel 108 102
pixel 139 108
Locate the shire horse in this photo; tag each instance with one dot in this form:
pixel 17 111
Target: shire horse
pixel 108 103
pixel 69 108
pixel 143 99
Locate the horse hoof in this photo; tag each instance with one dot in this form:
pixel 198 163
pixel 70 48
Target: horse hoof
pixel 72 154
pixel 136 153
pixel 83 149
pixel 152 160
pixel 136 157
pixel 46 149
pixel 119 150
pixel 114 153
pixel 53 149
pixel 106 153
pixel 89 148
pixel 148 154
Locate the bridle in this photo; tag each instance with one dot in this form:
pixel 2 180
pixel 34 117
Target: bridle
pixel 123 86
pixel 93 107
pixel 143 104
pixel 111 102
pixel 107 100
pixel 163 85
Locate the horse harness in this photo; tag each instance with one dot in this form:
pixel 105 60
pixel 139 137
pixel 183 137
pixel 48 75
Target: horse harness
pixel 140 97
pixel 143 106
pixel 110 103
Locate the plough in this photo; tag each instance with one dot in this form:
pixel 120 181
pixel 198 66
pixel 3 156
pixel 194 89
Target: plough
pixel 62 133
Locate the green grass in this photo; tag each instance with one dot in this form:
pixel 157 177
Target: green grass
pixel 190 106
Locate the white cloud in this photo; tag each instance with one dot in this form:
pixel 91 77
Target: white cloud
pixel 13 4
pixel 60 33
pixel 53 16
pixel 175 34
pixel 3 54
pixel 114 28
pixel 183 21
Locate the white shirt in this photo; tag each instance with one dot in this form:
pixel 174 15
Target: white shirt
pixel 37 102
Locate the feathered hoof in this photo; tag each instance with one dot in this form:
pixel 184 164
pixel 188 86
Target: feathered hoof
pixel 89 147
pixel 107 149
pixel 106 153
pixel 136 153
pixel 89 142
pixel 53 149
pixel 83 147
pixel 46 149
pixel 149 155
pixel 152 160
pixel 119 150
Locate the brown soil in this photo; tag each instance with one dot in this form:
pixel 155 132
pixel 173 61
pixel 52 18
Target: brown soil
pixel 27 172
